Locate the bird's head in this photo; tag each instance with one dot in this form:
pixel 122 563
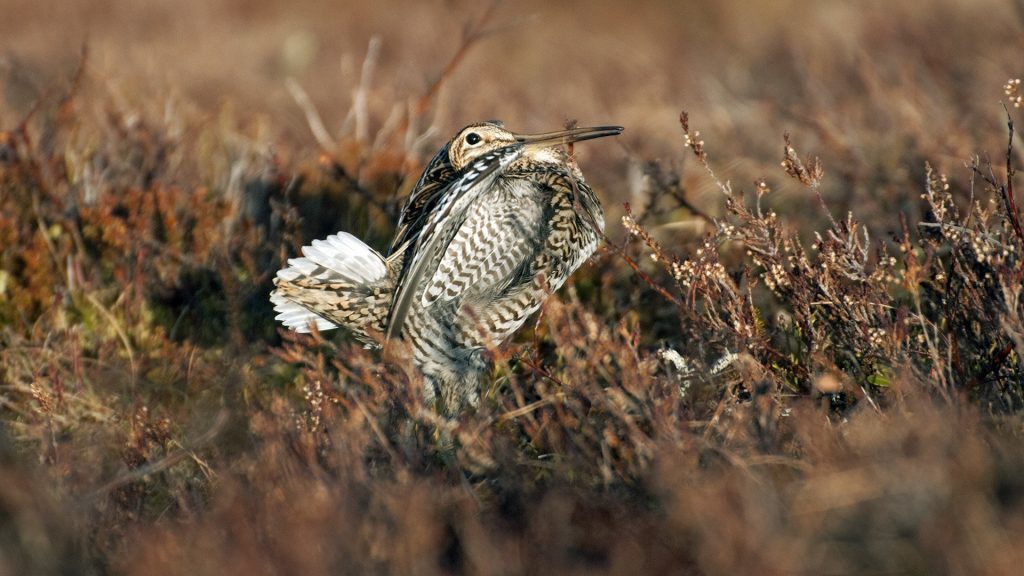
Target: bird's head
pixel 478 139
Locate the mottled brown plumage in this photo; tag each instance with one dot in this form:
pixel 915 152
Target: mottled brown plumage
pixel 496 223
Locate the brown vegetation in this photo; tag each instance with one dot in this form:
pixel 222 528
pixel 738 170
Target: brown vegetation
pixel 799 351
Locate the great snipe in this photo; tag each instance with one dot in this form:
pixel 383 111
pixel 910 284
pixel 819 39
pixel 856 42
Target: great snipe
pixel 496 223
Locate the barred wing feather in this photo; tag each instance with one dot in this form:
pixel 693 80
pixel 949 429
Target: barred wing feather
pixel 448 215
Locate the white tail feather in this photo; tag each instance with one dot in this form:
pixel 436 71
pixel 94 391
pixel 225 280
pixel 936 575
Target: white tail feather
pixel 339 258
pixel 298 317
pixel 344 255
pixel 297 268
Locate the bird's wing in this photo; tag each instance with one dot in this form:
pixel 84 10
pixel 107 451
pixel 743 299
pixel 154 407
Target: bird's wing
pixel 444 219
pixel 497 239
pixel 437 176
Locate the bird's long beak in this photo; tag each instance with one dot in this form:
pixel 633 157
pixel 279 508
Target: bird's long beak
pixel 569 136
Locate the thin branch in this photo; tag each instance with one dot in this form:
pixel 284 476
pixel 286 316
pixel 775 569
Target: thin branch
pixel 172 458
pixel 474 32
pixel 358 113
pixel 1009 201
pixel 643 276
pixel 680 198
pixel 1005 191
pixel 316 123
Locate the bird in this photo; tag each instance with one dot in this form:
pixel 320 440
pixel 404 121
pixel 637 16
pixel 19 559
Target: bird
pixel 496 223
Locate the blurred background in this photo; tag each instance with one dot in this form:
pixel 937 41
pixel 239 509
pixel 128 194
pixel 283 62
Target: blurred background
pixel 872 87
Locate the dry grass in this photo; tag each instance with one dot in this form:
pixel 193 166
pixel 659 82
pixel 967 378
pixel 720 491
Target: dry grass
pixel 800 350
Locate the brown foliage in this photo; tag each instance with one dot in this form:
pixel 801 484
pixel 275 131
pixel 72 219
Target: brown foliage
pixel 820 374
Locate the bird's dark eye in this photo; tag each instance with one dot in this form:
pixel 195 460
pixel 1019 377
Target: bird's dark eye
pixel 472 138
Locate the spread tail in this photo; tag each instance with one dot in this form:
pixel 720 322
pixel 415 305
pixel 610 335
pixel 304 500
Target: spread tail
pixel 340 281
